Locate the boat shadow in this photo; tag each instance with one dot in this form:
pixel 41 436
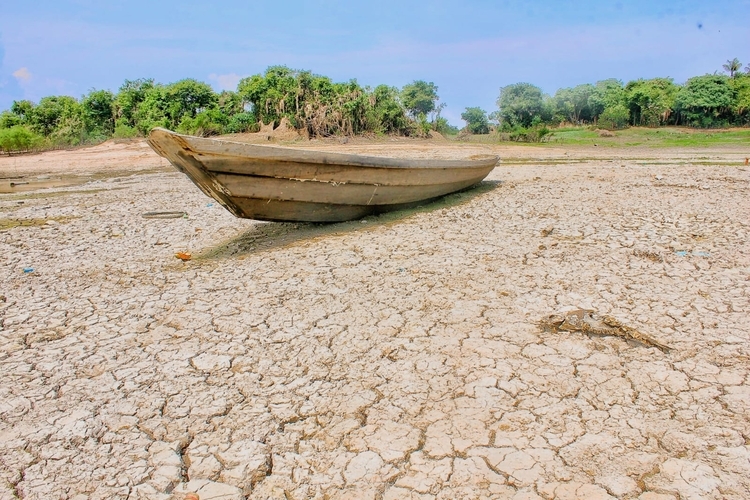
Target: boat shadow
pixel 267 236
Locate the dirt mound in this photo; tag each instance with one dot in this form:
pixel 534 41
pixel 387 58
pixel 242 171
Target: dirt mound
pixel 286 132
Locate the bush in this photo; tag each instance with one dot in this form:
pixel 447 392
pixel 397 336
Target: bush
pixel 442 126
pixel 518 133
pixel 385 115
pixel 145 126
pixel 204 124
pixel 615 117
pixel 8 120
pixel 242 122
pixel 423 127
pixel 125 131
pixel 19 138
pixel 70 131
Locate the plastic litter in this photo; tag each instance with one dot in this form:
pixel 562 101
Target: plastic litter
pixel 681 253
pixel 28 270
pixel 209 204
pixel 164 215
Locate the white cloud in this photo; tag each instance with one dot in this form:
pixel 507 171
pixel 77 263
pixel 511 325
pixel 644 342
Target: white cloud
pixel 226 82
pixel 22 74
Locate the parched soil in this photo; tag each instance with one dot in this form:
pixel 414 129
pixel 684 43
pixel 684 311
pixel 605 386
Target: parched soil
pixel 399 356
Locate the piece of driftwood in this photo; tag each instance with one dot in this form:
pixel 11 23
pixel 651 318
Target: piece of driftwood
pixel 587 321
pixel 285 184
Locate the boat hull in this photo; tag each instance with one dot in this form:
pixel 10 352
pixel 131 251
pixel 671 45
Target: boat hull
pixel 283 184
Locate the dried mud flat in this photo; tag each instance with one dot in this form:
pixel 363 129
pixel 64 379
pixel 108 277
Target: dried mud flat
pixel 394 357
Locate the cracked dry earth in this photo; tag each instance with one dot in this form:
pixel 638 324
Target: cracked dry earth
pixel 397 357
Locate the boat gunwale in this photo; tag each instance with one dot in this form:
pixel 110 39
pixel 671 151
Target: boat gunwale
pixel 206 146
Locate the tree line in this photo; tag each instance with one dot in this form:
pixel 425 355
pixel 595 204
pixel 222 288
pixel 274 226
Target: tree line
pixel 320 107
pixel 708 101
pixel 309 102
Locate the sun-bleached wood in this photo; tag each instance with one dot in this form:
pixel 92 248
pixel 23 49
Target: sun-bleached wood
pixel 285 184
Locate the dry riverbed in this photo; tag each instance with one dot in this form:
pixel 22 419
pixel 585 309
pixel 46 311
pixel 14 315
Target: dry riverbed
pixel 394 357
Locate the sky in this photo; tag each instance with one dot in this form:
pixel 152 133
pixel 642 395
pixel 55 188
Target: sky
pixel 468 48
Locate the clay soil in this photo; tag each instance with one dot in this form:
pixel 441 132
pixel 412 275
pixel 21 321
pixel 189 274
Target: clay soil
pixel 393 357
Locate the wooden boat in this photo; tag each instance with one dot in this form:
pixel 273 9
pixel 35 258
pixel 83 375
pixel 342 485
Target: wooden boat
pixel 284 184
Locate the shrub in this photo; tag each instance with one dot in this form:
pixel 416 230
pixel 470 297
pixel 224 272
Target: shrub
pixel 8 120
pixel 19 138
pixel 70 131
pixel 204 124
pixel 615 117
pixel 518 133
pixel 423 127
pixel 442 126
pixel 242 122
pixel 125 131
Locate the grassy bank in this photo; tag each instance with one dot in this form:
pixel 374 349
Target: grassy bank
pixel 638 136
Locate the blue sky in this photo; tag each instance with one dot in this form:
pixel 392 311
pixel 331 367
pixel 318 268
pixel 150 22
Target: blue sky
pixel 468 48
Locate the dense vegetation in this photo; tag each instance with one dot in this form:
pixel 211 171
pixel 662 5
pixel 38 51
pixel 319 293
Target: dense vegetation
pixel 709 101
pixel 320 107
pixel 309 102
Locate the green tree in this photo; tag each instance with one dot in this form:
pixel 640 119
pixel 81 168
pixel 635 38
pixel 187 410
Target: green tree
pixel 129 98
pixel 58 114
pixel 614 117
pixel 741 104
pixel 99 112
pixel 188 97
pixel 651 102
pixel 706 101
pixel 277 93
pixel 9 119
pixel 168 105
pixel 476 120
pixel 519 103
pixel 606 94
pixel 420 98
pixel 573 103
pixel 230 103
pixel 732 67
pixel 22 109
pixel 320 106
pixel 388 116
pixel 152 111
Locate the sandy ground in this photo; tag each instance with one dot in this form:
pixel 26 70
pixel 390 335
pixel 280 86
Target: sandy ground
pixel 394 357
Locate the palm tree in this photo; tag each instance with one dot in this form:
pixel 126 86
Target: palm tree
pixel 733 66
pixel 747 69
